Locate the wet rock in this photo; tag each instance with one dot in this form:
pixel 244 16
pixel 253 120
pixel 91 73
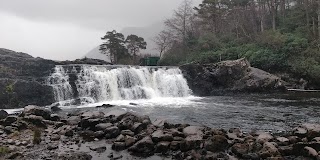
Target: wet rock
pixel 73 120
pixel 55 137
pixel 92 115
pixel 99 149
pixel 282 141
pixel 87 123
pixel 112 132
pixel 129 141
pixel 102 126
pixel 87 135
pixel 105 106
pixel 9 120
pixel 127 132
pixel 75 155
pixel 10 141
pixel 56 108
pixel 193 130
pixel 162 147
pixel 128 120
pixel 3 114
pixel 161 135
pixel 310 152
pixel 175 145
pixel 118 146
pixel 316 139
pixel 235 75
pixel 269 150
pixel 54 117
pixel 251 156
pixel 21 125
pixel 10 129
pixel 99 134
pixel 159 122
pixel 240 149
pixel 138 127
pixel 120 138
pixel 52 146
pixel 216 143
pixel 116 113
pixel 35 120
pixel 299 147
pixel 69 132
pixel 15 155
pixel 300 132
pixel 264 137
pixel 313 130
pixel 37 111
pixel 293 139
pixel 286 150
pixel 145 146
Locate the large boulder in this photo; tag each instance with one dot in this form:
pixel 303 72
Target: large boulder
pixel 37 111
pixel 232 76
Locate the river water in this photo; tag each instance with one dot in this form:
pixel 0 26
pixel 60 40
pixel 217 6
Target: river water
pixel 163 93
pixel 264 112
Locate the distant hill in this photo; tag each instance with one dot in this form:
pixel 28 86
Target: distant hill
pixel 96 54
pixel 148 33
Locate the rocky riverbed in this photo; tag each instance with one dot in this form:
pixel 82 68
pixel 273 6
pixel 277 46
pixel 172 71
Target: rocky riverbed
pixel 39 133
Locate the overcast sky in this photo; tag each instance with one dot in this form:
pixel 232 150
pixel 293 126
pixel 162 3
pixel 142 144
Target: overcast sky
pixel 67 29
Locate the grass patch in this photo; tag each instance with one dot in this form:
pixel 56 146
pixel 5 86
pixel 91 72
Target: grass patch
pixel 36 135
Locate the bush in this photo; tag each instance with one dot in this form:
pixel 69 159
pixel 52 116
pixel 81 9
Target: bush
pixel 36 135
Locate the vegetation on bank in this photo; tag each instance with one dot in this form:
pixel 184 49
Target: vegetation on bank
pixel 279 36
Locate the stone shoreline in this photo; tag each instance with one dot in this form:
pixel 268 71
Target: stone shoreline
pixel 38 133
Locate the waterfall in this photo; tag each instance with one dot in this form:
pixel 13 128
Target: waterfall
pixel 106 83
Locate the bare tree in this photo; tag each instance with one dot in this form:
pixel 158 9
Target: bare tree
pixel 181 24
pixel 163 41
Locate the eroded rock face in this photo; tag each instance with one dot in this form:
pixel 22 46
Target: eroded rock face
pixel 232 76
pixel 22 79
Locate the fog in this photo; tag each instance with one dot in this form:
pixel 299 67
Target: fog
pixel 68 29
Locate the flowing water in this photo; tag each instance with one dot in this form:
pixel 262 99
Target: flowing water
pixel 163 93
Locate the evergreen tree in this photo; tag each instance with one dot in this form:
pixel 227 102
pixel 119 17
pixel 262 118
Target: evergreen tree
pixel 114 45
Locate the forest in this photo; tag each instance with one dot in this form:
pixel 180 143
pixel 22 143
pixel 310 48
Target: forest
pixel 278 36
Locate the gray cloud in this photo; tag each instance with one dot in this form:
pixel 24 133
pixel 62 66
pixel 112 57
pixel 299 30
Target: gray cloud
pixel 72 27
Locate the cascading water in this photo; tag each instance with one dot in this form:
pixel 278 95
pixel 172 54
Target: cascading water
pixel 102 83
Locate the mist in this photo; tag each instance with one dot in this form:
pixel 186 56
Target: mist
pixel 67 30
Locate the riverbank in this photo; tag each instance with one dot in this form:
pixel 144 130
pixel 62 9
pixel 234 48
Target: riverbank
pixel 93 134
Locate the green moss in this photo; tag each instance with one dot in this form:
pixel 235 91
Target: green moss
pixel 4 150
pixel 36 135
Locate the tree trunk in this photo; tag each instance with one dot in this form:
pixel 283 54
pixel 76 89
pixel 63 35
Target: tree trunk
pixel 306 5
pixel 318 18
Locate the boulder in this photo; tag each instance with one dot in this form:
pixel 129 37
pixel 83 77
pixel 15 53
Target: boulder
pixel 264 137
pixel 145 146
pixel 9 120
pixel 236 75
pixel 240 149
pixel 3 114
pixel 102 126
pixel 216 143
pixel 161 135
pixel 112 132
pixel 310 152
pixel 37 111
pixel 99 149
pixel 35 120
pixel 162 147
pixel 268 150
pixel 75 155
